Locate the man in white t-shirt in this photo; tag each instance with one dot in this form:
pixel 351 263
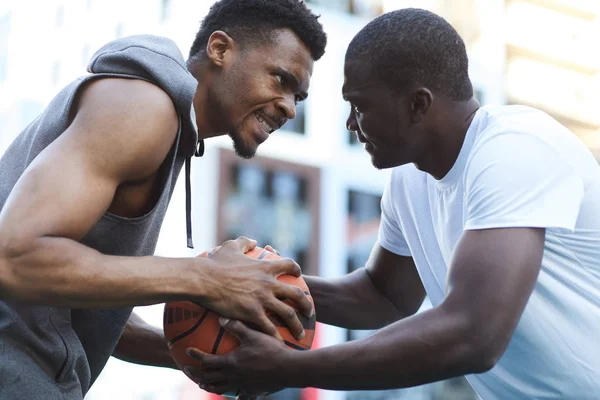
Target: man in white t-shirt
pixel 493 212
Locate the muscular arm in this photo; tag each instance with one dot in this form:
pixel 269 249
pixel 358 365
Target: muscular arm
pixel 122 131
pixel 121 134
pixel 142 343
pixel 386 290
pixel 492 275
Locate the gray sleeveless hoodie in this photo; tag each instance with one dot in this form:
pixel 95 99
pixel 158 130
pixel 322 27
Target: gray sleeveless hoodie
pixel 57 353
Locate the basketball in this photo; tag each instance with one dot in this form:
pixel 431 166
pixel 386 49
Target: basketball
pixel 187 324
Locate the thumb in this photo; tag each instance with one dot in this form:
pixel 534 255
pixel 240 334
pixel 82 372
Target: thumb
pixel 236 328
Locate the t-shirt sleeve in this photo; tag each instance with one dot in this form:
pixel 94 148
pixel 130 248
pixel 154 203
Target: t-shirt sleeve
pixel 391 237
pixel 519 180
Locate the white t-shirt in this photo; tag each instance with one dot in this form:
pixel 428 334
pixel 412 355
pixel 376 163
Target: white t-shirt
pixel 517 168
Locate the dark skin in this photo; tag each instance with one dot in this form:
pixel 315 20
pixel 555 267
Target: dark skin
pixel 266 83
pixel 491 276
pixel 110 159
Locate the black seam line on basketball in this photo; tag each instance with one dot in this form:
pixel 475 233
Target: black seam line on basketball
pixel 263 254
pixel 218 340
pixel 192 329
pixel 285 298
pixel 293 346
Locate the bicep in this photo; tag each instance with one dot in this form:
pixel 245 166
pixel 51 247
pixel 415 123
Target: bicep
pixel 72 182
pixel 492 275
pixel 58 195
pixel 397 278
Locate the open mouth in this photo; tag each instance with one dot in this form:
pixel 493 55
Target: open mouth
pixel 269 127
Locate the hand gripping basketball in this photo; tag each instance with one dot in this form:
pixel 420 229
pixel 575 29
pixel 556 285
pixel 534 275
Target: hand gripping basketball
pixel 187 324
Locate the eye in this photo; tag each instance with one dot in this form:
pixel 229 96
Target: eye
pixel 280 79
pixel 356 109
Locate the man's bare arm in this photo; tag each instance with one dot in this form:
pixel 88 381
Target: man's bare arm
pixel 142 343
pixel 122 132
pixel 492 275
pixel 386 290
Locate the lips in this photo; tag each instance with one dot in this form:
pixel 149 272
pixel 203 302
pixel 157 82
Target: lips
pixel 360 138
pixel 266 123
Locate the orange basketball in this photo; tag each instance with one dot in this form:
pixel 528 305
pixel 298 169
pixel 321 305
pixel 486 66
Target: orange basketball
pixel 187 324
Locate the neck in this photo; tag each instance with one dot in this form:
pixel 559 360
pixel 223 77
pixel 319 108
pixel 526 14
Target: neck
pixel 206 127
pixel 446 143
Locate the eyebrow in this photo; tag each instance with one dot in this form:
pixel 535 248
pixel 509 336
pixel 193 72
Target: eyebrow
pixel 289 76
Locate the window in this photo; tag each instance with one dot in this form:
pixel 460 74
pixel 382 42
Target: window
pixel 363 218
pixel 29 110
pixel 4 33
pixel 272 201
pixel 119 30
pixel 55 73
pixel 165 10
pixel 478 94
pixel 60 17
pixel 340 5
pixel 85 54
pixel 365 8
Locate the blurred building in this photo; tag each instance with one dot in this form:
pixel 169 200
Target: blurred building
pixel 545 52
pixel 312 191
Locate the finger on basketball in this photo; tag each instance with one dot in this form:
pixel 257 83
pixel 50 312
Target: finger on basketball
pixel 206 377
pixel 265 325
pixel 246 244
pixel 285 266
pixel 288 316
pixel 208 361
pixel 297 296
pixel 235 327
pixel 271 249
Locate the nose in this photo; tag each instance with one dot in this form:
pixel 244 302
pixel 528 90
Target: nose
pixel 287 105
pixel 351 123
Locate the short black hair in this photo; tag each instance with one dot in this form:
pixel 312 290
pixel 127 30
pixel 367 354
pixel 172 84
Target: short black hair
pixel 410 46
pixel 252 21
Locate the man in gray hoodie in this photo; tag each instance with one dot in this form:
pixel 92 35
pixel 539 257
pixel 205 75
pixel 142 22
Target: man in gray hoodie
pixel 85 187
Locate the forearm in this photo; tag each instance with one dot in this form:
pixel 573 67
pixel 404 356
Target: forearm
pixel 62 272
pixel 430 346
pixel 371 309
pixel 142 343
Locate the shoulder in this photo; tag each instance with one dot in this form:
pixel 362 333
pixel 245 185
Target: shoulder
pixel 129 119
pixel 121 55
pixel 127 103
pixel 520 134
pixel 113 92
pixel 518 123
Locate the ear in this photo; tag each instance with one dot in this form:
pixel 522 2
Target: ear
pixel 422 99
pixel 218 47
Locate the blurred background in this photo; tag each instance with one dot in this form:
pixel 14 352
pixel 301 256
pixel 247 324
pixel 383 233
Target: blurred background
pixel 311 192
